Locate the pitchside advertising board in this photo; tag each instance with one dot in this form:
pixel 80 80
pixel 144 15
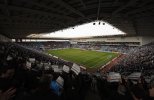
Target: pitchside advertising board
pixel 73 42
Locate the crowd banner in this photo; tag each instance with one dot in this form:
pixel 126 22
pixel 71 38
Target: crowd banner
pixel 134 76
pixel 32 60
pixel 9 58
pixel 54 66
pixel 46 66
pixel 28 65
pixel 57 70
pixel 76 68
pixel 114 77
pixel 60 81
pixel 66 69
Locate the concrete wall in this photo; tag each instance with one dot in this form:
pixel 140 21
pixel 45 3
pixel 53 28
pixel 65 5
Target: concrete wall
pixel 4 39
pixel 112 39
pixel 146 40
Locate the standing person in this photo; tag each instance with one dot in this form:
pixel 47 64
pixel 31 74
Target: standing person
pixel 151 90
pixel 94 84
pixel 7 90
pixel 44 92
pixel 123 92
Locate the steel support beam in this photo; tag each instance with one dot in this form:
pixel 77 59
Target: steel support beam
pixel 37 12
pixel 67 6
pixel 130 3
pixel 98 10
pixel 45 6
pixel 83 4
pixel 140 10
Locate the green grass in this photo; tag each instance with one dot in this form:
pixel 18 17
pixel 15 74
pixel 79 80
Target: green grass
pixel 86 58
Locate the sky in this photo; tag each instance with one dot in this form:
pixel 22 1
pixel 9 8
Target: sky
pixel 85 30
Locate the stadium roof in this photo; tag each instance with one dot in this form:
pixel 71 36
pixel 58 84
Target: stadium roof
pixel 88 30
pixel 19 18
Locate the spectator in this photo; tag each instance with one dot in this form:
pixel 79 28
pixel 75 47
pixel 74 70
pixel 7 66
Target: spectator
pixel 151 90
pixel 44 92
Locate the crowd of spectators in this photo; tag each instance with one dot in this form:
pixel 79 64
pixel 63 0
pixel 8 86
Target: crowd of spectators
pixel 86 46
pixel 41 46
pixel 106 48
pixel 139 59
pixel 46 45
pixel 18 81
pixel 117 48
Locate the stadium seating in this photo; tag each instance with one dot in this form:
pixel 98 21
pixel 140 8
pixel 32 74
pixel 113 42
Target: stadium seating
pixel 106 48
pixel 117 48
pixel 45 45
pixel 20 80
pixel 139 59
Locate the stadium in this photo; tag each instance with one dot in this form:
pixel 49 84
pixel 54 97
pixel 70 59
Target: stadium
pixel 76 50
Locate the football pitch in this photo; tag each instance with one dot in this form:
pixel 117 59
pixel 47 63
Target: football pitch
pixel 86 58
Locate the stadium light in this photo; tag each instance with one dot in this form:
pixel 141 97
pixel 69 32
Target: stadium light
pixel 99 23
